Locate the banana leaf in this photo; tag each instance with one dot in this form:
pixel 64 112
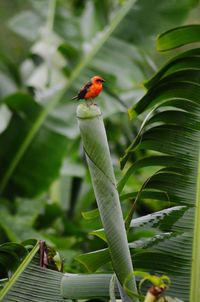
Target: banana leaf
pixel 31 282
pixel 171 129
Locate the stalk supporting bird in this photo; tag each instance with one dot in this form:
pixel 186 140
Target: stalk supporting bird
pixel 91 89
pixel 104 184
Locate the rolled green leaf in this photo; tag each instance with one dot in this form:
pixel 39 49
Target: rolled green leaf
pixel 99 161
pixel 86 286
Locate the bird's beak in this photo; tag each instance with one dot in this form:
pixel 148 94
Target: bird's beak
pixel 102 80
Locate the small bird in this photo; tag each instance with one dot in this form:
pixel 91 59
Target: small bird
pixel 91 89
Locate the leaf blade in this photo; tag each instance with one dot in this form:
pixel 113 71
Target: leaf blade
pixel 177 37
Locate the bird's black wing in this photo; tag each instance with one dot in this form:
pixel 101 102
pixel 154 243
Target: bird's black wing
pixel 84 90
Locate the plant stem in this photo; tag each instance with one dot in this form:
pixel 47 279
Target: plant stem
pixel 51 14
pixel 98 157
pixel 150 297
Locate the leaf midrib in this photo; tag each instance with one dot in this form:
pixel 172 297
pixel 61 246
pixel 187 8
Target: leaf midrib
pixel 19 270
pixel 195 276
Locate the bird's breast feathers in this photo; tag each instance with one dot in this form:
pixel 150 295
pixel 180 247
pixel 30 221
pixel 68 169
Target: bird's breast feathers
pixel 93 91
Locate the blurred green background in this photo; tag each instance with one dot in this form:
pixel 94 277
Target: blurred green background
pixel 44 181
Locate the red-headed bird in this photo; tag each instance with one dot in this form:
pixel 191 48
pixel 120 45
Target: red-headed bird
pixel 91 89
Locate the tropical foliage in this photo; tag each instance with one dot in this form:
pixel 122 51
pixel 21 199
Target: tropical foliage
pixel 44 180
pixel 171 129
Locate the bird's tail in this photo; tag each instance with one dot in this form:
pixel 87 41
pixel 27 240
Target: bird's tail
pixel 75 97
